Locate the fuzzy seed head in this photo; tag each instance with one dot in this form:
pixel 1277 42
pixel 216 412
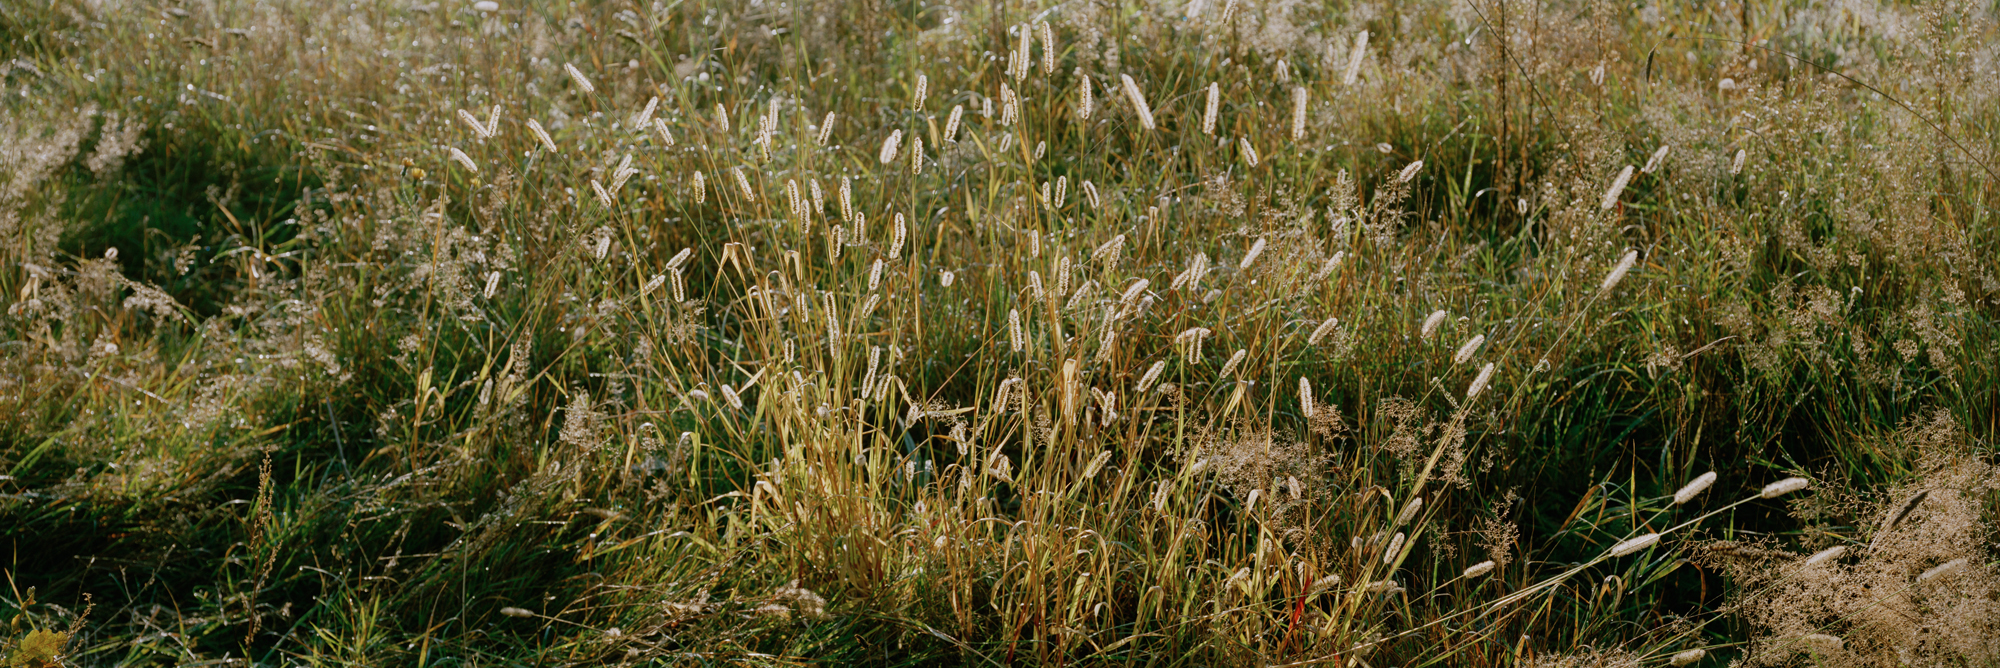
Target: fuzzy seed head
pixel 1139 105
pixel 1354 59
pixel 1431 323
pixel 1783 487
pixel 577 76
pixel 1465 352
pixel 1479 382
pixel 1478 569
pixel 1658 160
pixel 1208 111
pixel 1299 100
pixel 1618 272
pixel 1617 188
pixel 1634 544
pixel 1694 488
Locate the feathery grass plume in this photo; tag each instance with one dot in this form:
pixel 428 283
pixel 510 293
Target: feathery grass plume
pixel 645 116
pixel 1409 172
pixel 1694 488
pixel 874 362
pixel 1090 194
pixel 1152 374
pixel 1331 265
pixel 1617 188
pixel 1944 570
pixel 666 136
pixel 846 199
pixel 603 246
pixel 700 188
pixel 1069 390
pixel 1086 102
pixel 1466 351
pixel 890 145
pixel 743 182
pixel 1409 511
pixel 1658 160
pixel 577 76
pixel 603 197
pixel 1325 327
pixel 1431 324
pixel 1634 545
pixel 1479 382
pixel 1478 569
pixel 818 196
pixel 951 122
pixel 1354 59
pixel 542 135
pixel 1382 587
pixel 1783 487
pixel 1826 555
pixel 1687 657
pixel 463 159
pixel 1395 549
pixel 1256 249
pixel 1209 110
pixel 1139 105
pixel 1299 99
pixel 825 129
pixel 898 235
pixel 1618 272
pixel 1306 407
pixel 923 90
pixel 623 173
pixel 1048 49
pixel 1736 164
pixel 1014 329
pixel 1249 152
pixel 722 117
pixel 794 200
pixel 1229 367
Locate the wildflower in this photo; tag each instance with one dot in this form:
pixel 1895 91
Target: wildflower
pixel 1783 487
pixel 1138 101
pixel 577 75
pixel 1617 187
pixel 1694 488
pixel 1634 545
pixel 1466 351
pixel 1618 272
pixel 1478 569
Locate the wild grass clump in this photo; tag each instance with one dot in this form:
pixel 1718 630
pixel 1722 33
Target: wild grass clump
pixel 1207 333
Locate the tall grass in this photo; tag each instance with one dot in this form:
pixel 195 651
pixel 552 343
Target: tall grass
pixel 995 333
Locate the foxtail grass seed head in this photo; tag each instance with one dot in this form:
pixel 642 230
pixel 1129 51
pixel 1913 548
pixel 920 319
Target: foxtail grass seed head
pixel 653 283
pixel 846 199
pixel 1189 341
pixel 680 259
pixel 700 188
pixel 666 135
pixel 1062 194
pixel 1736 164
pixel 603 197
pixel 1090 195
pixel 1139 105
pixel 1250 258
pixel 890 146
pixel 1658 160
pixel 825 129
pixel 1410 172
pixel 486 6
pixel 1479 382
pixel 875 275
pixel 1618 272
pixel 951 122
pixel 1694 488
pixel 1249 506
pixel 1014 329
pixel 1109 250
pixel 896 238
pixel 516 612
pixel 478 129
pixel 1034 285
pixel 1284 72
pixel 1319 333
pixel 645 116
pixel 1209 110
pixel 1131 295
pixel 1096 464
pixel 576 75
pixel 1354 59
pixel 492 284
pixel 1306 407
pixel 1191 277
pixel 1086 98
pixel 1634 545
pixel 1409 511
pixel 917 155
pixel 1944 570
pixel 1431 323
pixel 945 278
pixel 1299 100
pixel 1019 61
pixel 923 90
pixel 1471 347
pixel 542 135
pixel 1826 555
pixel 1395 549
pixel 1687 658
pixel 464 159
pixel 1822 642
pixel 1617 188
pixel 730 396
pixel 1152 374
pixel 1783 487
pixel 743 183
pixel 1236 360
pixel 1478 569
pixel 722 117
pixel 1048 49
pixel 1249 152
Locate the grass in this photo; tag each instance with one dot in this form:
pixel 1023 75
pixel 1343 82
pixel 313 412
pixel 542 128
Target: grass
pixel 316 369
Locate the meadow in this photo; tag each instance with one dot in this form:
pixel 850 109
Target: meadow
pixel 993 332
